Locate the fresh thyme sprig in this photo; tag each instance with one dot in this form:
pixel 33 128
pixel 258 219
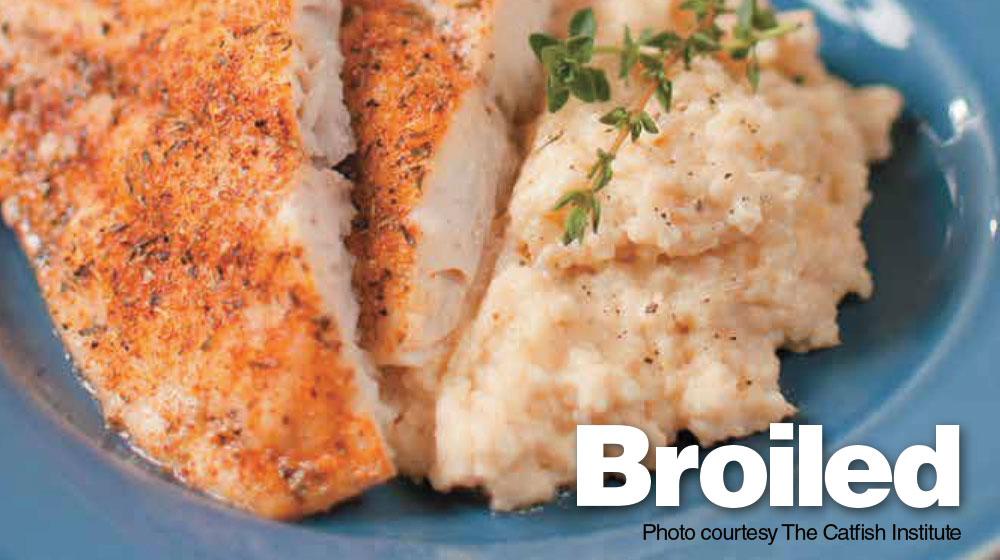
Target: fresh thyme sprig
pixel 569 74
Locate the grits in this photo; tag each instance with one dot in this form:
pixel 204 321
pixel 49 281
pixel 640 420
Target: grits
pixel 729 235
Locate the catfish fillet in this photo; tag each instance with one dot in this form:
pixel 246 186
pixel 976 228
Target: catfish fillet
pixel 165 166
pixel 433 88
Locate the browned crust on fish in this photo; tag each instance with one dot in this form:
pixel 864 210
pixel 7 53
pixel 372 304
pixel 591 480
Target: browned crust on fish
pixel 144 159
pixel 403 80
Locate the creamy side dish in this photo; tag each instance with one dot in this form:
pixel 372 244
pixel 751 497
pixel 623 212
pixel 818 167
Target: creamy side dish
pixel 731 234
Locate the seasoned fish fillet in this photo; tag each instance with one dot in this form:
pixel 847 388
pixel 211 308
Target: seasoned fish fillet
pixel 432 87
pixel 166 168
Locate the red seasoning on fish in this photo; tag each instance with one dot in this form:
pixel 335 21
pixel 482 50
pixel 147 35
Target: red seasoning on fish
pixel 166 166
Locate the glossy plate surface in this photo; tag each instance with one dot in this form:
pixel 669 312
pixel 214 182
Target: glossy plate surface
pixel 924 351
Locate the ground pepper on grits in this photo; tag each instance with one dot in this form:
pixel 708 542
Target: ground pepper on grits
pixel 730 234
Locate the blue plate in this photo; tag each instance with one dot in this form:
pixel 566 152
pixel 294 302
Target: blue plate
pixel 924 351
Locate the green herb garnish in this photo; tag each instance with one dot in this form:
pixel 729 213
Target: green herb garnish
pixel 566 63
pixel 655 55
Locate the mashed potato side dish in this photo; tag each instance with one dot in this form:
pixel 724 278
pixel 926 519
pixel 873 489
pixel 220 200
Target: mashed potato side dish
pixel 727 236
